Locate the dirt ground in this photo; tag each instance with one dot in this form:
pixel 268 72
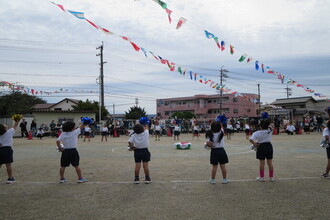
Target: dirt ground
pixel 180 188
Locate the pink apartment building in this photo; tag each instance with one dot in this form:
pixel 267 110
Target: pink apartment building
pixel 207 107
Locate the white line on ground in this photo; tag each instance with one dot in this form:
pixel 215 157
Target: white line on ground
pixel 171 181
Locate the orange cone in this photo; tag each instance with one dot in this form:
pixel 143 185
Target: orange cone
pixel 30 135
pixel 115 133
pixel 275 131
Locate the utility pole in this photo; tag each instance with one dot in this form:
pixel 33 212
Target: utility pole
pixel 222 75
pixel 101 74
pixel 113 109
pixel 259 99
pixel 136 102
pixel 288 91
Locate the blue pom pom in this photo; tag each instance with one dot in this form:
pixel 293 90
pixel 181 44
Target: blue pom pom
pixel 86 121
pixel 221 118
pixel 144 121
pixel 264 115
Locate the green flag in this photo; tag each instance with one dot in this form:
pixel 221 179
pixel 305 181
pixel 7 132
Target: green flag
pixel 179 70
pixel 161 3
pixel 242 58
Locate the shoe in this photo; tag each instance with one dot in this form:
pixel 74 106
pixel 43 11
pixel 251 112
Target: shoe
pixel 212 181
pixel 63 180
pixel 11 180
pixel 81 180
pixel 147 180
pixel 225 181
pixel 324 175
pixel 136 180
pixel 260 179
pixel 272 179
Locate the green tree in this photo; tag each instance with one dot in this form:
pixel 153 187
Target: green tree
pixel 183 115
pixel 17 102
pixel 91 106
pixel 135 113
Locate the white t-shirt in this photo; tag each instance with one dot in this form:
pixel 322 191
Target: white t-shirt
pixel 157 128
pixel 6 140
pixel 105 129
pixel 69 139
pixel 291 128
pixel 140 141
pixel 247 127
pixel 326 132
pixel 262 136
pixel 217 144
pixel 87 129
pixel 230 127
pixel 176 128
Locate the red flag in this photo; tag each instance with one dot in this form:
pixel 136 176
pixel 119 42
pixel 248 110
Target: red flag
pixel 181 21
pixel 168 11
pixel 136 47
pixel 105 30
pixel 92 24
pixel 125 38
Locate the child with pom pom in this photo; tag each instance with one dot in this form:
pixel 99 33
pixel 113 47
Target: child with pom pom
pixel 6 144
pixel 139 143
pixel 262 141
pixel 67 144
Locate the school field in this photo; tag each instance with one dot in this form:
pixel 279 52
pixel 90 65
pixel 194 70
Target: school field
pixel 180 188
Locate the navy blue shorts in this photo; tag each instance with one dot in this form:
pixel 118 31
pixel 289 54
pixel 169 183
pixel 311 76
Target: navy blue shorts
pixel 218 156
pixel 142 155
pixel 70 156
pixel 6 155
pixel 328 152
pixel 176 133
pixel 265 151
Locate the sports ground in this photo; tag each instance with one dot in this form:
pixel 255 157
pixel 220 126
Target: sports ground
pixel 180 188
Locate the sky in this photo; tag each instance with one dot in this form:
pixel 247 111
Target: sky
pixel 47 49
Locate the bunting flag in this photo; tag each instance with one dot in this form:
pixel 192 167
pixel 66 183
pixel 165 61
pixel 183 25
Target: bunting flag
pixel 144 51
pixel 190 73
pixel 79 15
pixel 269 70
pixel 232 49
pixel 223 45
pixel 60 6
pixel 169 12
pixel 257 65
pixel 94 25
pixel 180 70
pixel 161 3
pixel 195 76
pixel 209 35
pixel 200 79
pixel 154 55
pixel 249 59
pixel 105 30
pixel 216 39
pixel 136 47
pixel 181 21
pixel 242 58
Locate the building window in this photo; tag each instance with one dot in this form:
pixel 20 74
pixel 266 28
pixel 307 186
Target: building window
pixel 209 111
pixel 214 100
pixel 235 99
pixel 235 110
pixel 248 110
pixel 209 101
pixel 183 103
pixel 167 113
pixel 58 109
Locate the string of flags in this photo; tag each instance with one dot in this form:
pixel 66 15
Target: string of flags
pixel 171 65
pixel 221 44
pixel 27 90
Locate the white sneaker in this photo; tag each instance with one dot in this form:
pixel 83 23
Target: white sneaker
pixel 212 181
pixel 272 179
pixel 260 179
pixel 225 181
